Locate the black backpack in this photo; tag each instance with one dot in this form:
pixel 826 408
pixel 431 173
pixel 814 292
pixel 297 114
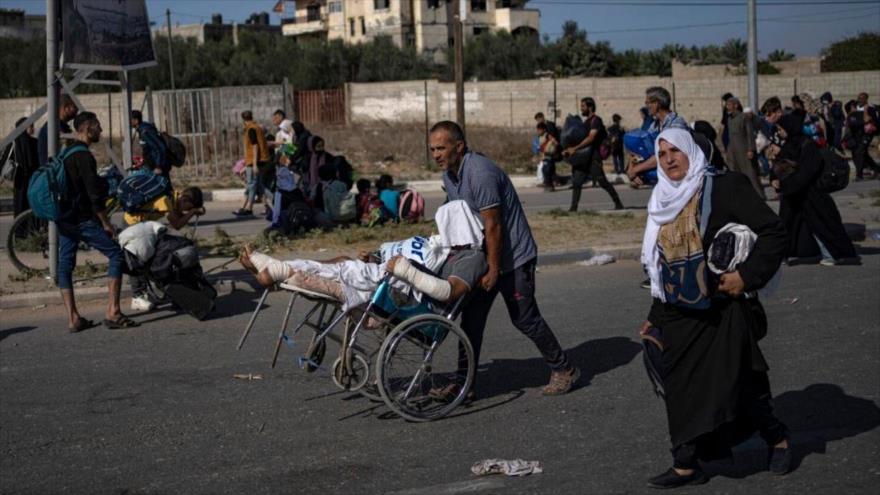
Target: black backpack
pixel 176 150
pixel 835 172
pixel 573 131
pixel 299 218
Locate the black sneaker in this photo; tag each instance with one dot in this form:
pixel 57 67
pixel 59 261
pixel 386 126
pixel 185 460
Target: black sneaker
pixel 646 284
pixel 671 479
pixel 780 460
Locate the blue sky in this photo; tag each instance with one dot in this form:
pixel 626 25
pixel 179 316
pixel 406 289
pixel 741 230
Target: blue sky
pixel 800 29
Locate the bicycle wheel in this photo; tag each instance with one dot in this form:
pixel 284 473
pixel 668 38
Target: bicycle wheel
pixel 27 243
pixel 422 354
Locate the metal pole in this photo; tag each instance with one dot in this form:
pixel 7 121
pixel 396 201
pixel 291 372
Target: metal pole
pixel 110 117
pixel 753 55
pixel 427 128
pixel 149 97
pixel 458 42
pixel 171 71
pixel 52 115
pixel 126 120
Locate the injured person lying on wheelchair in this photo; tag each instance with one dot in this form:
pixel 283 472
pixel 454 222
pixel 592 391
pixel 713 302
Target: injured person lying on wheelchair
pixel 445 266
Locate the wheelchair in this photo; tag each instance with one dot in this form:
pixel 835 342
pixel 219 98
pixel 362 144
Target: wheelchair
pixel 394 348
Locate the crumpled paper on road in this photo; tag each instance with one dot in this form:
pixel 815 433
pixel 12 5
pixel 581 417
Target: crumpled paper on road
pixel 515 467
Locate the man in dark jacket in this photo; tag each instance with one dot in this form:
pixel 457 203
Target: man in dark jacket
pixel 86 220
pixel 153 147
pixel 66 112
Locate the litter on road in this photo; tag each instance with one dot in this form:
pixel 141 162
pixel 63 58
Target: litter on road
pixel 515 467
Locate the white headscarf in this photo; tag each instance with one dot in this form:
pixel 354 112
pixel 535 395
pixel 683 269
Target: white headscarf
pixel 669 198
pixel 458 225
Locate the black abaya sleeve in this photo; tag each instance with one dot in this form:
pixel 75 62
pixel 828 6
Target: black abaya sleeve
pixel 809 166
pixel 654 315
pixel 741 204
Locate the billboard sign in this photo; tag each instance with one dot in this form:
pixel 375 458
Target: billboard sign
pixel 106 34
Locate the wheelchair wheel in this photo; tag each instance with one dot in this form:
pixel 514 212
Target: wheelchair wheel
pixel 420 355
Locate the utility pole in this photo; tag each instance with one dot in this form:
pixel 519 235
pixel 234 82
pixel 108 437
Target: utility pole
pixel 171 71
pixel 459 11
pixel 753 55
pixel 52 115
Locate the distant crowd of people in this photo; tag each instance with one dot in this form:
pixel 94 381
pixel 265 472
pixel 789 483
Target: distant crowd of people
pixel 787 146
pixel 303 186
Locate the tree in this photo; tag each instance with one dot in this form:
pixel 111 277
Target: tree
pixel 780 56
pixel 850 54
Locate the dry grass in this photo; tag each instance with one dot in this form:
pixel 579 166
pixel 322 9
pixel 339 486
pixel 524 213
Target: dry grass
pixel 554 230
pixel 400 150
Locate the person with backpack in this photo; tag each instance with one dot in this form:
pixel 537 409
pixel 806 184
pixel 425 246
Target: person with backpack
pixel 84 219
pixel 659 103
pixel 390 198
pixel 177 208
pixel 808 212
pixel 153 147
pixel 862 124
pixel 585 157
pixel 615 143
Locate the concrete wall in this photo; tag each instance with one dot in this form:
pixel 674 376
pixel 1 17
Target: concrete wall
pixel 514 103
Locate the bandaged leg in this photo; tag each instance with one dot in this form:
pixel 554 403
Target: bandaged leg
pixel 277 270
pixel 435 288
pixel 317 284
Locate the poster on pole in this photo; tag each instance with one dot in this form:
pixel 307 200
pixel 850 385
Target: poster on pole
pixel 106 34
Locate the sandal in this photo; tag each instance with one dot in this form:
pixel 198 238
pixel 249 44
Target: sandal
pixel 121 322
pixel 82 324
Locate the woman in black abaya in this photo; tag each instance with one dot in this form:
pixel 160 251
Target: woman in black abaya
pixel 714 375
pixel 810 215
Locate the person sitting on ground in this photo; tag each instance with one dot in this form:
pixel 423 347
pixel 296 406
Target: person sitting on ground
pixel 444 267
pixel 178 208
pixel 370 209
pixel 390 198
pixel 335 199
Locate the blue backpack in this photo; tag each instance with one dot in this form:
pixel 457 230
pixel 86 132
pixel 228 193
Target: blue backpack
pixel 139 189
pixel 48 185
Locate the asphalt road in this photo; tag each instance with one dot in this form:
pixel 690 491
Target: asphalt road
pixel 156 410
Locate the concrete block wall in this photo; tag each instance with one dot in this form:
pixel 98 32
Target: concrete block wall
pixel 514 103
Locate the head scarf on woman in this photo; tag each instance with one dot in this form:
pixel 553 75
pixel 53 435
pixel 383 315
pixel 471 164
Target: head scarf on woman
pixel 793 125
pixel 669 198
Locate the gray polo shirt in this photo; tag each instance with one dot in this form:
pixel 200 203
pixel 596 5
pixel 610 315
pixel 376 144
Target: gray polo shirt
pixel 482 185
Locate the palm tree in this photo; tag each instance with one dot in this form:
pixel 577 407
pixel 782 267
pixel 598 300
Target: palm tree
pixel 780 56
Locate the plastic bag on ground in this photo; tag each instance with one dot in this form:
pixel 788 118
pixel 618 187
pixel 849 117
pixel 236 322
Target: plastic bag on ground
pixel 515 467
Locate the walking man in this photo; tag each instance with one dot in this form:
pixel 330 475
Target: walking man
pixel 585 158
pixel 510 249
pixel 659 104
pixel 86 221
pixel 256 163
pixel 153 147
pixel 741 151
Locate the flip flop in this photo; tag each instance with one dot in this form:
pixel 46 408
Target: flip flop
pixel 121 322
pixel 82 324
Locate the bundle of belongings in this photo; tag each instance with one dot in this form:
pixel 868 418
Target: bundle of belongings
pixel 352 282
pixel 171 263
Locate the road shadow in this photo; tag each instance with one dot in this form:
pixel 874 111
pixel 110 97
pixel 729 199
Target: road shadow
pixel 593 357
pixel 816 415
pixel 866 250
pixel 14 330
pixel 230 219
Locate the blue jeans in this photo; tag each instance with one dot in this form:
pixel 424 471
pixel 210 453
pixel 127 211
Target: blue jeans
pixel 250 178
pixel 90 232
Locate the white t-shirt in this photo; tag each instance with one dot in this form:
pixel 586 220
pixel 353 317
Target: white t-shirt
pixel 427 251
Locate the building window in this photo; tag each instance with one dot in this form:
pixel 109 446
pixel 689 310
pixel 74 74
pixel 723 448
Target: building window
pixel 433 4
pixel 478 30
pixel 335 7
pixel 313 13
pixel 504 4
pixel 478 5
pixel 381 4
pixel 363 26
pixel 351 26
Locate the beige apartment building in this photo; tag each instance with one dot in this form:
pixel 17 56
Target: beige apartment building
pixel 422 24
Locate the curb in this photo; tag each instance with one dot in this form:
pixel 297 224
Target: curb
pixel 45 298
